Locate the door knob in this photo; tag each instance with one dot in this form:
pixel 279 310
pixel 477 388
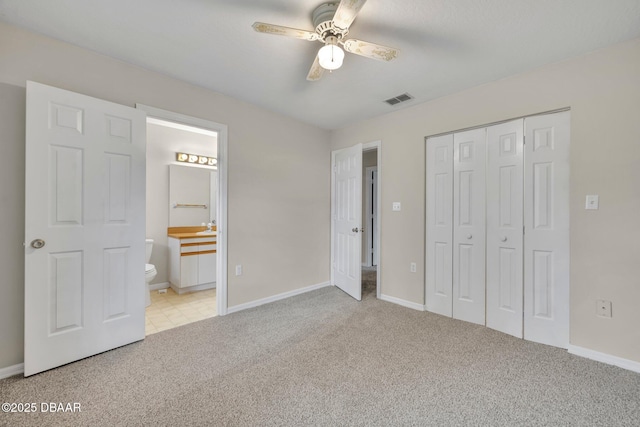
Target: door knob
pixel 469 236
pixel 355 229
pixel 504 239
pixel 37 243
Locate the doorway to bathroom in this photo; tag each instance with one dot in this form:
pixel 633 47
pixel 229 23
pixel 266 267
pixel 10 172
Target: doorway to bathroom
pixel 185 219
pixel 369 275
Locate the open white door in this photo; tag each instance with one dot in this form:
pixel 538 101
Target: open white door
pixel 84 227
pixel 346 230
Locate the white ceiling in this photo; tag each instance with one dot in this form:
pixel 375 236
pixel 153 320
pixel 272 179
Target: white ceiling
pixel 446 45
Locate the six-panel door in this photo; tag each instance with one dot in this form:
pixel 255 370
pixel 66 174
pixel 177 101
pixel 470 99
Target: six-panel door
pixel 347 218
pixel 85 199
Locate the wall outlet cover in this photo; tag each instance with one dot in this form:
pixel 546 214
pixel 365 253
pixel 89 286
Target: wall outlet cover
pixel 592 202
pixel 396 206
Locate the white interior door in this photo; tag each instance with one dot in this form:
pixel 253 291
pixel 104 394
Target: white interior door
pixel 346 232
pixel 85 201
pixel 439 278
pixel 469 153
pixel 505 227
pixel 546 218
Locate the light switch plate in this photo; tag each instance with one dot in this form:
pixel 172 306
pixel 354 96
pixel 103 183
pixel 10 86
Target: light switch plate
pixel 592 202
pixel 395 206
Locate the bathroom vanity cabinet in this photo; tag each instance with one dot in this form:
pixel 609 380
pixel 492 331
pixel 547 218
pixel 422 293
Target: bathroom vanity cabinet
pixel 192 265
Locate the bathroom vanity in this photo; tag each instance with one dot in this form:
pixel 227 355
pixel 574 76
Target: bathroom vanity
pixel 192 265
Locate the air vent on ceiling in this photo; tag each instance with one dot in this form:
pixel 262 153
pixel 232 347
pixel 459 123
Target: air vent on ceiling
pixel 398 99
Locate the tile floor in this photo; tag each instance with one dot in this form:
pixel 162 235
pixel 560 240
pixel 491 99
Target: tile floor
pixel 169 309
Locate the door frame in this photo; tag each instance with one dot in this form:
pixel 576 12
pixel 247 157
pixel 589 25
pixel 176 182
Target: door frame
pixel 368 146
pixel 221 208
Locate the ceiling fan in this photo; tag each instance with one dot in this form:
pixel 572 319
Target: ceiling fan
pixel 332 21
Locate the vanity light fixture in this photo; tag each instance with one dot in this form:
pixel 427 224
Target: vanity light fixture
pixel 197 159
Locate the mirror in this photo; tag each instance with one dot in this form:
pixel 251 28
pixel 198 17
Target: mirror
pixel 192 195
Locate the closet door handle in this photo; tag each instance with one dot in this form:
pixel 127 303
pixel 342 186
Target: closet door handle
pixel 504 238
pixel 469 236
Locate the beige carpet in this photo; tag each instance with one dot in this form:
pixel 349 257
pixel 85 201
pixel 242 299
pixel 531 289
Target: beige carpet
pixel 324 359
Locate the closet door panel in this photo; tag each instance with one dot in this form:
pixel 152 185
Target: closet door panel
pixel 546 218
pixel 505 227
pixel 439 225
pixel 469 155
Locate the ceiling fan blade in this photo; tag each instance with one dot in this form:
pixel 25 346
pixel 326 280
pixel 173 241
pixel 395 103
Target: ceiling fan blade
pixel 316 71
pixel 371 50
pixel 346 13
pixel 279 30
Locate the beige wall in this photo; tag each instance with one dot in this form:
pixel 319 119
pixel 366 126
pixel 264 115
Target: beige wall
pixel 278 210
pixel 603 91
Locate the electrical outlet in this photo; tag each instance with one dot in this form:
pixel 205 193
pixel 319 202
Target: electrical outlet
pixel 396 206
pixel 603 308
pixel 239 270
pixel 413 267
pixel 592 202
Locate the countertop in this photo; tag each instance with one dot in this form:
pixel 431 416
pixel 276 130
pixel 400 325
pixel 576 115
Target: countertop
pixel 190 232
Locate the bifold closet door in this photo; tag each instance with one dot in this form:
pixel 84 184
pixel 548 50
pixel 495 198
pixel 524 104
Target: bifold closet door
pixel 469 153
pixel 546 216
pixel 505 227
pixel 439 224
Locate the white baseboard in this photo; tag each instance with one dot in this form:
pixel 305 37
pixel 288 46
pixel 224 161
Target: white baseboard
pixel 605 358
pixel 158 286
pixel 277 297
pixel 10 371
pixel 404 303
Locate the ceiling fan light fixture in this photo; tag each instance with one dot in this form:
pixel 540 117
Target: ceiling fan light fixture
pixel 330 56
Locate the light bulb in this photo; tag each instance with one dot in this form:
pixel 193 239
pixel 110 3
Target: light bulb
pixel 330 57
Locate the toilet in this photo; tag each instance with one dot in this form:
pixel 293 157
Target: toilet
pixel 149 271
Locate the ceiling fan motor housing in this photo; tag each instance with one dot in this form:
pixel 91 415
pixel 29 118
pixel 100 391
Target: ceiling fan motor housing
pixel 322 18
